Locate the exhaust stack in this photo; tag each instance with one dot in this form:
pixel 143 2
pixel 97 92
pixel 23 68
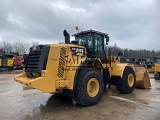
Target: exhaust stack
pixel 67 37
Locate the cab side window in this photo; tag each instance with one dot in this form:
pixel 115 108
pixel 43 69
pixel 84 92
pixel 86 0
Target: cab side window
pixel 98 44
pixel 81 41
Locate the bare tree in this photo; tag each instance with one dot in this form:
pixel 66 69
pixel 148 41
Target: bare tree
pixel 21 48
pixel 6 47
pixel 34 44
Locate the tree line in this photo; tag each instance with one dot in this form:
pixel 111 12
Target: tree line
pixel 131 53
pixel 19 48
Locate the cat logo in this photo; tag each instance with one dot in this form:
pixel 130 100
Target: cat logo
pixel 77 51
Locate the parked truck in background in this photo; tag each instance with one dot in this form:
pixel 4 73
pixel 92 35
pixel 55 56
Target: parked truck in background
pixel 18 60
pixel 157 68
pixel 6 61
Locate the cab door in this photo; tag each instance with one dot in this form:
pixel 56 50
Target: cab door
pixel 99 48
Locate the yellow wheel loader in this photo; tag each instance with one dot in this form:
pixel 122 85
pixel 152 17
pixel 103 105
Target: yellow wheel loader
pixel 80 68
pixel 157 68
pixel 6 61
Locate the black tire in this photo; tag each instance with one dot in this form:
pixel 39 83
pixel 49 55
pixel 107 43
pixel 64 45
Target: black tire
pixel 128 81
pixel 88 78
pixel 157 76
pixel 59 95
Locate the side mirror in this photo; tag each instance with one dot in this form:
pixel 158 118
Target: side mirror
pixel 107 39
pixel 119 54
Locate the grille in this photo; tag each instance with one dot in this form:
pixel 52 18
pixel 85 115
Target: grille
pixel 37 59
pixel 33 61
pixel 62 62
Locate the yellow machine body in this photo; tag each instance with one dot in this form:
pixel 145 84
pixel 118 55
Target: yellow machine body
pixel 0 62
pixel 10 62
pixel 59 73
pixel 61 69
pixel 157 71
pixel 142 75
pixel 6 60
pixel 142 78
pixel 80 68
pixel 157 67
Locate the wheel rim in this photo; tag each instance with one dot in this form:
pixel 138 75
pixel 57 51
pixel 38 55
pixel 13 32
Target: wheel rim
pixel 130 80
pixel 92 87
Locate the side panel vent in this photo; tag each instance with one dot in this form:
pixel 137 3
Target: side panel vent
pixel 62 62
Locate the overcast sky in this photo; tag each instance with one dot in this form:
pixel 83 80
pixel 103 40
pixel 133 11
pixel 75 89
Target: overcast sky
pixel 131 24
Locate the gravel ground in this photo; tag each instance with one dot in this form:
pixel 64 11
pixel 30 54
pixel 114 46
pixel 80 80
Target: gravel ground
pixel 18 103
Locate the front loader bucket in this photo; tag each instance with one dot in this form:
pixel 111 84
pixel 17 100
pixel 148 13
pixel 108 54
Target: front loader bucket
pixel 142 78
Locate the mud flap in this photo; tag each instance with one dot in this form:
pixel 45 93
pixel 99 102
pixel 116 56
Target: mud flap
pixel 142 78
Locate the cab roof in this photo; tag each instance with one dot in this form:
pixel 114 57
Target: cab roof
pixel 90 31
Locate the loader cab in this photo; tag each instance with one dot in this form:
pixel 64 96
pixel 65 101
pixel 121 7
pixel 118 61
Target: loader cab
pixel 94 42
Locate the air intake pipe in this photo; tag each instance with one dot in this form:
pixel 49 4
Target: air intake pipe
pixel 67 37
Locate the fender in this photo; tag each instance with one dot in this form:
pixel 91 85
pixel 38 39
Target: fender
pixel 118 69
pixel 95 63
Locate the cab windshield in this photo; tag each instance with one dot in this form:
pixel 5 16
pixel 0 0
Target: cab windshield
pixel 93 43
pixel 85 41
